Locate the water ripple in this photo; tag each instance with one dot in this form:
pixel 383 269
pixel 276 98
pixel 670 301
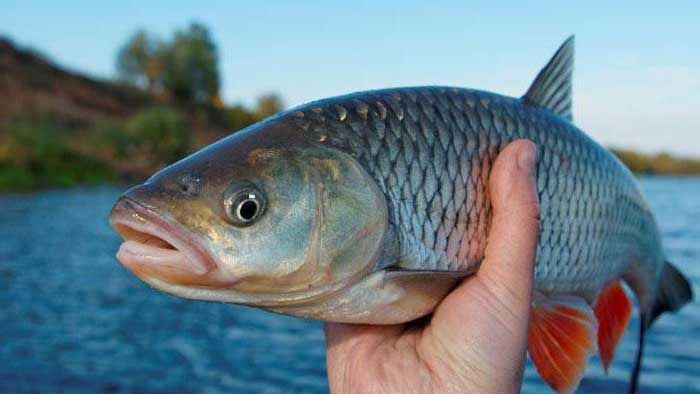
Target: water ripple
pixel 74 320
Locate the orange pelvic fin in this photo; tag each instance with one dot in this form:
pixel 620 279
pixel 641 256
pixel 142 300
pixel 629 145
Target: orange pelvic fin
pixel 561 339
pixel 612 310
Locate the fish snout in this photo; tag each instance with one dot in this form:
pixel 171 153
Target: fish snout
pixel 157 247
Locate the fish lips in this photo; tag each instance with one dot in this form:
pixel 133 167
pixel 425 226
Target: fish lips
pixel 155 247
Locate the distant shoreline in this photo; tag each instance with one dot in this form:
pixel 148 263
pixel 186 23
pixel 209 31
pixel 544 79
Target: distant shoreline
pixel 657 164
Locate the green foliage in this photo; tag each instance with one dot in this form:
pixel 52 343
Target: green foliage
pixel 36 152
pixel 159 133
pixel 239 116
pixel 39 155
pixel 191 66
pixel 14 178
pixel 139 61
pixel 185 67
pixel 109 136
pixel 662 163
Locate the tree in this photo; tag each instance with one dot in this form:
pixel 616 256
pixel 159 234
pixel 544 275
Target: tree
pixel 186 67
pixel 191 70
pixel 138 61
pixel 268 105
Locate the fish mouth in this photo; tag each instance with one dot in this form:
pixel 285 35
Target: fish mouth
pixel 155 247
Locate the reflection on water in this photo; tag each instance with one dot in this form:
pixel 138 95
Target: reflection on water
pixel 72 319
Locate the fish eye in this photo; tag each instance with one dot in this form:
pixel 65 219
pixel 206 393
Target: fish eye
pixel 244 206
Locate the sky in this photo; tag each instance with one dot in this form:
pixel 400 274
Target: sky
pixel 636 82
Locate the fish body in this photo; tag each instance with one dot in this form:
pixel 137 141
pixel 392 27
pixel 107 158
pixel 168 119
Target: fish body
pixel 371 207
pixel 430 151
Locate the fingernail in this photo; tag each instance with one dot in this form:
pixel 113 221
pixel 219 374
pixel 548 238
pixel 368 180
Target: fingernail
pixel 526 158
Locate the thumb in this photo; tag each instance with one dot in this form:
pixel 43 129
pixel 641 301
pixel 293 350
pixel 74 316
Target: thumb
pixel 483 323
pixel 506 273
pixel 507 269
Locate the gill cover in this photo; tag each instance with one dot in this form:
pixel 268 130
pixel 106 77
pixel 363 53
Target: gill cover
pixel 340 226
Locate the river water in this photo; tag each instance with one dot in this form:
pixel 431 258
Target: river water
pixel 73 320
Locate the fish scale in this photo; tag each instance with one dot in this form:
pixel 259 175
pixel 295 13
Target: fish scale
pixel 431 150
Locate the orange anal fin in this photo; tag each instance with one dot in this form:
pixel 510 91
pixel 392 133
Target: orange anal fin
pixel 612 310
pixel 561 339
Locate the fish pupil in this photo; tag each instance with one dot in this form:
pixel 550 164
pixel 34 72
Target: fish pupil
pixel 247 210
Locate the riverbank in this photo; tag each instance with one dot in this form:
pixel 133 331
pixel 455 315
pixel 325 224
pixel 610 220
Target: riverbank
pixel 59 128
pixel 657 164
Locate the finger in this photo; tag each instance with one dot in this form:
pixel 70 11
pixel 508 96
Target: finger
pixel 507 270
pixel 509 260
pixel 481 326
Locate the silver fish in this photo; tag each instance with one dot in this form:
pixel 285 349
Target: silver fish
pixel 371 207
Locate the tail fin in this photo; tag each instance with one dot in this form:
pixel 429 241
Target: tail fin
pixel 673 292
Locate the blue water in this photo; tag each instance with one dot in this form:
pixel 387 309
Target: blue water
pixel 72 320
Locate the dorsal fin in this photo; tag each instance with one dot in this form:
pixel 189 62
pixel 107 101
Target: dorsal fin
pixel 552 87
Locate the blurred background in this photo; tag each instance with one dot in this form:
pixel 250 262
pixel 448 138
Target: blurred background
pixel 95 96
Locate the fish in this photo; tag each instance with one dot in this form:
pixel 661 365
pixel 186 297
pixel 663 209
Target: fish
pixel 371 207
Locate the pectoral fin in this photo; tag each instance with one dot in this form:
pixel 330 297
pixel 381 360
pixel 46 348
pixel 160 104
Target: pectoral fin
pixel 561 339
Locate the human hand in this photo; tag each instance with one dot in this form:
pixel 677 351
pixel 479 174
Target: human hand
pixel 476 339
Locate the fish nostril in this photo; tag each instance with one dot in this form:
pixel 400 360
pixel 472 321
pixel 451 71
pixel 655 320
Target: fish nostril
pixel 189 184
pixel 139 193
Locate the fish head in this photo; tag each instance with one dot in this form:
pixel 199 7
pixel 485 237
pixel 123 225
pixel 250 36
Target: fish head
pixel 265 217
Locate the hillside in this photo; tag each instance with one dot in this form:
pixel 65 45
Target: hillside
pixel 33 85
pixel 59 128
pixel 30 84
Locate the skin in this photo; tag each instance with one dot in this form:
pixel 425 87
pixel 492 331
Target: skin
pixel 475 341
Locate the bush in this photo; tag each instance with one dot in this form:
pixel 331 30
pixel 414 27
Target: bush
pixel 239 117
pixel 159 132
pixel 15 178
pixel 38 155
